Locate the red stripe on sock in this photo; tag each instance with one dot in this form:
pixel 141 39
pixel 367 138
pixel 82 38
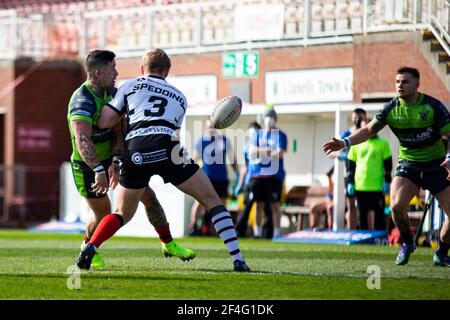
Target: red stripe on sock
pixel 164 234
pixel 107 227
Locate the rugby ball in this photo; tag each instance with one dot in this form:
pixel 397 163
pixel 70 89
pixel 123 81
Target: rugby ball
pixel 226 111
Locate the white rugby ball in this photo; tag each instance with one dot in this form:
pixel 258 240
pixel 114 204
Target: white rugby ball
pixel 226 111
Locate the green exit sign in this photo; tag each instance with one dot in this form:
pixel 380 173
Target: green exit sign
pixel 240 65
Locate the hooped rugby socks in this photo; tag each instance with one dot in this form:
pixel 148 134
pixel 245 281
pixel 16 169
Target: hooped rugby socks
pixel 223 223
pixel 164 234
pixel 107 227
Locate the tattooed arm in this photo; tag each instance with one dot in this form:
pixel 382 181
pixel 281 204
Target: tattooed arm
pixel 82 131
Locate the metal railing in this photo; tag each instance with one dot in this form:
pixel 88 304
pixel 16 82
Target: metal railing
pixel 439 24
pixel 206 26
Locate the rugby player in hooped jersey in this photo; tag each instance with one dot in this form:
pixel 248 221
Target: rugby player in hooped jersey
pixel 96 154
pixel 156 111
pixel 419 121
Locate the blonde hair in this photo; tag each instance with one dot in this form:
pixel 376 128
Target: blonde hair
pixel 156 61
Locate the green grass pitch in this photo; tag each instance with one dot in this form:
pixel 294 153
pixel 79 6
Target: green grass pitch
pixel 33 266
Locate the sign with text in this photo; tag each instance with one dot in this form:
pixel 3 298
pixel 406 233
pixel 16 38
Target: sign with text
pixel 240 64
pixel 34 137
pixel 198 89
pixel 309 86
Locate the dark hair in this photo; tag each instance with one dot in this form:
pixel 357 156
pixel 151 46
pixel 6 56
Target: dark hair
pixel 98 59
pixel 360 110
pixel 412 71
pixel 254 125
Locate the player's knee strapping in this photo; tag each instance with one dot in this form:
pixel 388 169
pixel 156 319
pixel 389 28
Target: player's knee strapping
pixel 223 224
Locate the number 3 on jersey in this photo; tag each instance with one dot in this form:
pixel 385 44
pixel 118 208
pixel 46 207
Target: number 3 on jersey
pixel 157 106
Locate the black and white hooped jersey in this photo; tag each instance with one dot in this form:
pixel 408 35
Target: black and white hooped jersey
pixel 155 108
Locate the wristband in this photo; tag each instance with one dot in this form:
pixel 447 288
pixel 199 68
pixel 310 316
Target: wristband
pixel 116 159
pixel 347 142
pixel 99 169
pixel 447 156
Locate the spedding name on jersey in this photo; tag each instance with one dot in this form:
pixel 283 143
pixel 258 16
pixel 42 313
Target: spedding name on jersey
pixel 164 92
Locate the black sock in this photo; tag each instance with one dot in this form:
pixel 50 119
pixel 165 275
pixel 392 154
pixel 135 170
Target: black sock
pixel 442 251
pixel 406 236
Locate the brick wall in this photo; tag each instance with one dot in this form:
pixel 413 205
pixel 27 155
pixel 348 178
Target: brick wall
pixel 373 72
pixel 41 100
pixel 41 103
pixel 374 66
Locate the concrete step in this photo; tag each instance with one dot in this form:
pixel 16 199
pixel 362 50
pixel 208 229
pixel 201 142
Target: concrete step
pixel 442 69
pixel 435 45
pixel 427 35
pixel 443 56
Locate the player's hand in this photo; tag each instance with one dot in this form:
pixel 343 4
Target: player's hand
pixel 333 145
pixel 101 185
pixel 351 189
pixel 446 165
pixel 114 175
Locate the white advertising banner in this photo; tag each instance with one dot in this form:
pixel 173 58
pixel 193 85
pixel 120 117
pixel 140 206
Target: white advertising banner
pixel 74 209
pixel 199 90
pixel 309 86
pixel 258 22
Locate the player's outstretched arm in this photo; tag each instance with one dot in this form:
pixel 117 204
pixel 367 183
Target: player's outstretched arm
pixel 333 145
pixel 359 136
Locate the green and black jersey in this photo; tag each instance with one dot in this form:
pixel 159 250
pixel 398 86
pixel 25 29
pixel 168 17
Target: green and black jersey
pixel 87 106
pixel 418 127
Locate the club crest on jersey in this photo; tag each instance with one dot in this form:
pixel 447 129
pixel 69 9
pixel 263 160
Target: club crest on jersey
pixel 423 115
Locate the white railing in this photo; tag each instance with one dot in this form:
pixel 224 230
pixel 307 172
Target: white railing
pixel 440 24
pixel 204 26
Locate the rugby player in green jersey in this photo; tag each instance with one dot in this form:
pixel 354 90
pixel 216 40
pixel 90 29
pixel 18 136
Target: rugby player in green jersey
pixel 420 122
pixel 96 153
